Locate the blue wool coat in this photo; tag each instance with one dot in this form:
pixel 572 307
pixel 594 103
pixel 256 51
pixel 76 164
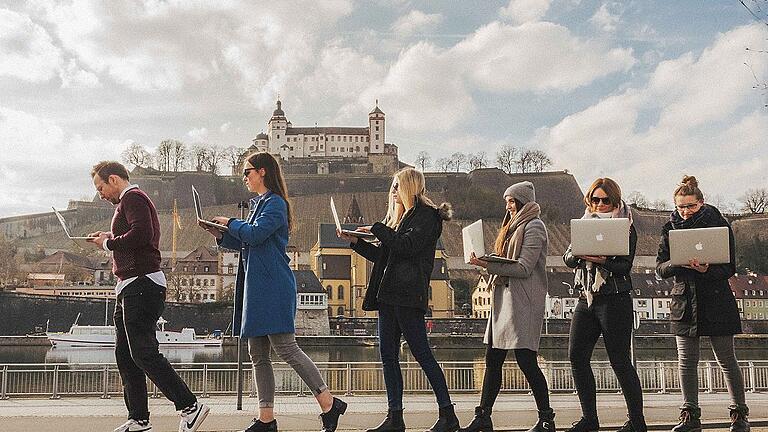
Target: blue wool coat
pixel 265 289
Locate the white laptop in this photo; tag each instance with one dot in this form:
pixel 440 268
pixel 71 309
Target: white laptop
pixel 199 213
pixel 708 245
pixel 353 233
pixel 474 241
pixel 80 241
pixel 600 236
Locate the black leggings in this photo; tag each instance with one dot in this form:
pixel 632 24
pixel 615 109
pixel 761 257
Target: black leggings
pixel 526 361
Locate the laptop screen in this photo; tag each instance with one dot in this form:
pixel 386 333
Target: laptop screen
pixel 196 199
pixel 62 222
pixel 335 215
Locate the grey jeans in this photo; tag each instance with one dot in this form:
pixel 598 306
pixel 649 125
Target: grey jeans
pixel 286 348
pixel 688 360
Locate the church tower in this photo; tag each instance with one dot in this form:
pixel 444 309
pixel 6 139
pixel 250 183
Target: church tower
pixel 276 129
pixel 376 130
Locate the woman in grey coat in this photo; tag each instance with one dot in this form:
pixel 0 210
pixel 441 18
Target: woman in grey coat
pixel 517 305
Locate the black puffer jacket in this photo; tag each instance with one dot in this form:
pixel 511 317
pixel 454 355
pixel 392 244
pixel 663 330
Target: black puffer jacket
pixel 403 261
pixel 615 270
pixel 702 303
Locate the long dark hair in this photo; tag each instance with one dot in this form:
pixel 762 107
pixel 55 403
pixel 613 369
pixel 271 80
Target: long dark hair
pixel 273 178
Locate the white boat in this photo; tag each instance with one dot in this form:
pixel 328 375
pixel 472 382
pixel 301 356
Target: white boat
pixel 104 336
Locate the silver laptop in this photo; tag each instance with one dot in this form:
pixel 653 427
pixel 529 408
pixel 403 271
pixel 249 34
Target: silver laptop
pixel 474 241
pixel 199 213
pixel 708 245
pixel 358 234
pixel 600 236
pixel 83 242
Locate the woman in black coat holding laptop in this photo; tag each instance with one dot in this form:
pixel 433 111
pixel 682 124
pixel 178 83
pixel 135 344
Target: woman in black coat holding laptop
pixel 702 305
pixel 604 307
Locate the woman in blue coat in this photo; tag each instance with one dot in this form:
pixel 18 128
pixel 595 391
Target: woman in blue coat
pixel 265 293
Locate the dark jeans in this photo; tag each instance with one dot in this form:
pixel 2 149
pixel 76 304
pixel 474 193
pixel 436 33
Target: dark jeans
pixel 610 315
pixel 395 321
pixel 526 360
pixel 138 307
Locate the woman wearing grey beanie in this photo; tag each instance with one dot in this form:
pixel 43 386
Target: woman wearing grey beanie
pixel 517 305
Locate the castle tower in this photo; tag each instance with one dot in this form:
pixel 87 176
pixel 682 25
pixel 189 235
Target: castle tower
pixel 261 142
pixel 376 130
pixel 276 129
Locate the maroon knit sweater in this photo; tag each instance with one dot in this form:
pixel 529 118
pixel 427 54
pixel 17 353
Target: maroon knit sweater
pixel 136 230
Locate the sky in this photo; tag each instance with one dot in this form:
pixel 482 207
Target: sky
pixel 641 91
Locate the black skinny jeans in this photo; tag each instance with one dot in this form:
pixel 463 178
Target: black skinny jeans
pixel 610 315
pixel 526 361
pixel 138 307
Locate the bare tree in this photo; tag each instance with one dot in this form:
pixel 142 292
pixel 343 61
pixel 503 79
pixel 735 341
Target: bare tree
pixel 199 160
pixel 423 160
pixel 755 200
pixel 505 158
pixel 9 266
pixel 637 199
pixel 660 204
pixel 163 155
pixel 539 160
pixel 443 164
pixel 478 160
pixel 233 155
pixel 458 160
pixel 216 155
pixel 722 205
pixel 137 155
pixel 178 155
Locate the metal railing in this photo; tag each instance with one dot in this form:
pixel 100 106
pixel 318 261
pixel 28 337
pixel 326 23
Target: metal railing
pixel 210 379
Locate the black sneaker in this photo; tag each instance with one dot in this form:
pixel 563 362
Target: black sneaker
pixel 258 426
pixel 584 425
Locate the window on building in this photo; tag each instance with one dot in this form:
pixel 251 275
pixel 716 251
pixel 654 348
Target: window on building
pixel 345 138
pixel 333 149
pixel 329 292
pixel 340 311
pixel 205 296
pixel 430 292
pixel 340 292
pixel 660 303
pixel 206 269
pixel 357 148
pixel 377 137
pixel 377 128
pixel 311 148
pixel 205 282
pixel 213 296
pixel 278 136
pixel 197 282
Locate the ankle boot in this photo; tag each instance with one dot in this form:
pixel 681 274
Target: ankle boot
pixel 330 419
pixel 446 421
pixel 690 420
pixel 546 422
pixel 584 425
pixel 482 421
pixel 739 421
pixel 392 423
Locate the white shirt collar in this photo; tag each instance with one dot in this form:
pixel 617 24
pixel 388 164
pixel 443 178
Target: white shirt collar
pixel 133 186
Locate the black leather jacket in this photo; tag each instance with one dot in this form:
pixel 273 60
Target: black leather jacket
pixel 617 267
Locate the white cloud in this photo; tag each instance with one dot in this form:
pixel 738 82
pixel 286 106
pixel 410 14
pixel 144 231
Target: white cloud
pixel 73 77
pixel 647 138
pixel 607 17
pixel 198 134
pixel 523 11
pixel 416 22
pixel 57 171
pixel 27 51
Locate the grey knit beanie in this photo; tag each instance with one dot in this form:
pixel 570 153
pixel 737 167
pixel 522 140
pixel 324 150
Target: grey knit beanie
pixel 523 192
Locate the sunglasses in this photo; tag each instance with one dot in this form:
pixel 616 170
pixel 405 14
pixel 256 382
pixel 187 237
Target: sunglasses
pixel 394 187
pixel 247 170
pixel 687 206
pixel 597 200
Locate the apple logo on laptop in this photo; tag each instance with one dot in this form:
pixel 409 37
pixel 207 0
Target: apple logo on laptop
pixel 599 237
pixel 699 246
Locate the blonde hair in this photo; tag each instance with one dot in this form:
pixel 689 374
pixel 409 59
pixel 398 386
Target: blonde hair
pixel 411 187
pixel 689 186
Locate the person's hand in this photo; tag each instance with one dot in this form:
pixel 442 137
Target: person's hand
pixel 597 259
pixel 100 239
pixel 365 229
pixel 346 237
pixel 94 234
pixel 211 230
pixel 474 260
pixel 221 220
pixel 694 264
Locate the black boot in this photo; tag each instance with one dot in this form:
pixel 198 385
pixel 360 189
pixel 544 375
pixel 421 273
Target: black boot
pixel 392 423
pixel 690 420
pixel 546 422
pixel 331 418
pixel 637 425
pixel 739 421
pixel 584 425
pixel 446 421
pixel 482 421
pixel 258 426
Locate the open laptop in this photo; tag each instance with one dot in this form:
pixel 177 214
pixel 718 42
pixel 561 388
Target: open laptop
pixel 80 241
pixel 600 236
pixel 359 234
pixel 199 213
pixel 474 241
pixel 708 245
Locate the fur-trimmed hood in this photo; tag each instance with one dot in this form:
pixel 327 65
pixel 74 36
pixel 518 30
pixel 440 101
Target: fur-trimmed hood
pixel 445 211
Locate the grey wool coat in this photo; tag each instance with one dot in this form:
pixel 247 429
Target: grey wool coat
pixel 519 294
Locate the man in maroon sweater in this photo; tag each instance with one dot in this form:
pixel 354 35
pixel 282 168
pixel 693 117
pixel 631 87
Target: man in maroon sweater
pixel 134 242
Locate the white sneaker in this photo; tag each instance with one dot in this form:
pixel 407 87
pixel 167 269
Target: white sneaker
pixel 133 426
pixel 192 418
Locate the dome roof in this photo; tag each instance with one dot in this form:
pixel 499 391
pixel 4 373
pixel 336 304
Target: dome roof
pixel 262 136
pixel 279 111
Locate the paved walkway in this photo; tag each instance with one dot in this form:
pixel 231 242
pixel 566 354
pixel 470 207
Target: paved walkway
pixel 512 412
